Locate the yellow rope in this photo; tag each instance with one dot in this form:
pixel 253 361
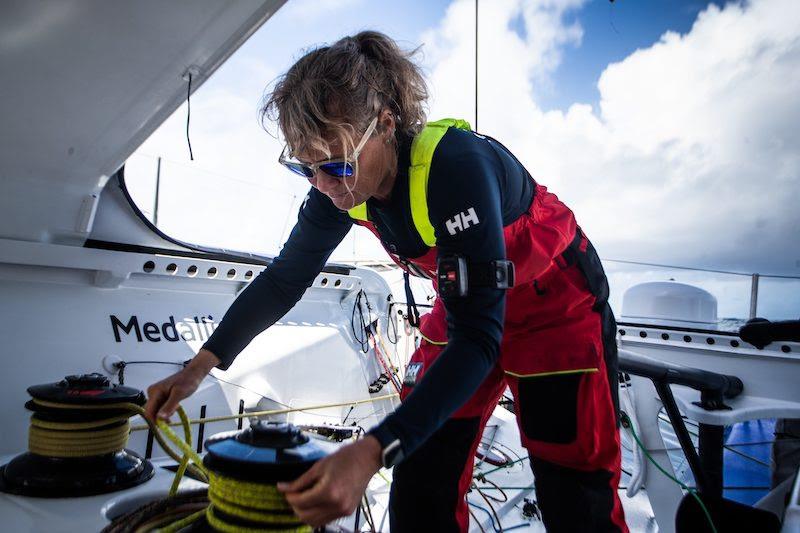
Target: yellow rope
pixel 251 414
pixel 131 408
pixel 79 443
pixel 252 501
pixel 219 525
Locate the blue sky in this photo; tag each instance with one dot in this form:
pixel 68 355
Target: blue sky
pixel 669 127
pixel 612 31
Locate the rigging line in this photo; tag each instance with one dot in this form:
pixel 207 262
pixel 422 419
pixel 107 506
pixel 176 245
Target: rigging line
pixel 300 410
pixel 477 522
pixel 476 65
pixel 488 448
pixel 697 269
pixel 361 336
pixel 189 114
pixel 211 172
pixel 729 448
pixel 626 421
pixel 211 419
pixel 496 519
pixel 611 18
pixel 391 324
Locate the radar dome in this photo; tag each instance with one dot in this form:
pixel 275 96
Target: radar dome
pixel 668 300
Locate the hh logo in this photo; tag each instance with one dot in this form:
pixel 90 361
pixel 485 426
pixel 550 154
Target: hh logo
pixel 462 221
pixel 412 373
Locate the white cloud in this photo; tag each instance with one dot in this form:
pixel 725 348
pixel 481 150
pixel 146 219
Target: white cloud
pixel 693 157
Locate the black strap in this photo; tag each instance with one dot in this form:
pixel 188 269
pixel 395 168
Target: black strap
pixel 413 312
pixel 495 274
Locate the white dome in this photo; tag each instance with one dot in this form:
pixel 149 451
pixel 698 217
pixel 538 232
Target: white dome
pixel 668 300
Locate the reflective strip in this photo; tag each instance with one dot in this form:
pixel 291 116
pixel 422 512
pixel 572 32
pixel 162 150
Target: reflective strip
pixel 556 373
pixel 359 212
pixel 431 341
pixel 422 148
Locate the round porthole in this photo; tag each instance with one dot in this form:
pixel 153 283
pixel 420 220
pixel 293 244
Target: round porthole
pixel 192 270
pixel 149 266
pixel 231 273
pixel 172 268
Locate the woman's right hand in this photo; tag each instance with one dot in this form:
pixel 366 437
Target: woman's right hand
pixel 164 397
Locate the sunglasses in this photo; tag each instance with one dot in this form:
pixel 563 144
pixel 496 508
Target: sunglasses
pixel 339 167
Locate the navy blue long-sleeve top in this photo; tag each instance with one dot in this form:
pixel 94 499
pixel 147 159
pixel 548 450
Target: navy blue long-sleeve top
pixel 468 172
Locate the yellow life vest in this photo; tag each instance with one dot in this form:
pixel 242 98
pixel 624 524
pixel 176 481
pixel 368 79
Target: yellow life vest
pixel 422 148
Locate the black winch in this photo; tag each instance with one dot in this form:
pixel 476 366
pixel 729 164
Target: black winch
pixel 77 441
pixel 266 452
pixel 243 468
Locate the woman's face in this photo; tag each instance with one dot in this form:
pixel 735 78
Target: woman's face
pixel 374 172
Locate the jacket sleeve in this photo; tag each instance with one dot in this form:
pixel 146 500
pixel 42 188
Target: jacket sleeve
pixel 464 205
pixel 320 228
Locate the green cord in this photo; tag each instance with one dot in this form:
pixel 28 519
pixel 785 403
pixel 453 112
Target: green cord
pixel 626 421
pixel 481 474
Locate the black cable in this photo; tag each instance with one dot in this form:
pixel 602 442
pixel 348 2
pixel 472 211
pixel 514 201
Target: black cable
pixel 188 115
pixel 391 321
pixel 362 338
pixel 348 414
pixel 411 305
pixel 126 363
pixel 356 526
pixel 122 364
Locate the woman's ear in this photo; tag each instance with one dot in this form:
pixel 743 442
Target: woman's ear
pixel 387 124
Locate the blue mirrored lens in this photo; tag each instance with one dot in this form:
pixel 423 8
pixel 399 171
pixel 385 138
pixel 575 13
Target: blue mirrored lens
pixel 299 169
pixel 338 170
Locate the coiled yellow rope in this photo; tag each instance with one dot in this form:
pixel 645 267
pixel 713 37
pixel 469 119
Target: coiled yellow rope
pixel 84 439
pixel 254 502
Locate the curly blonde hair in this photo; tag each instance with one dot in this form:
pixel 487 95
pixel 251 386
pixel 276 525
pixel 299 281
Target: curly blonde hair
pixel 333 92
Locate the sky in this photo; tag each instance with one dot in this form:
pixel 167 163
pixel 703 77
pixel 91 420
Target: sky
pixel 669 127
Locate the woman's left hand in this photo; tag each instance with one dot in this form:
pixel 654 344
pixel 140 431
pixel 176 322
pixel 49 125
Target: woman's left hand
pixel 333 487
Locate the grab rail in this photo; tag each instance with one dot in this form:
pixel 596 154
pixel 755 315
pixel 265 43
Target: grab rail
pixel 706 466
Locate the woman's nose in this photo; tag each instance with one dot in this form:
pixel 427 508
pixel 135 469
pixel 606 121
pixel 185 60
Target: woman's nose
pixel 323 182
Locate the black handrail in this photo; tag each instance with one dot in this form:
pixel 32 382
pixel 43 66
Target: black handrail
pixel 760 332
pixel 707 465
pixel 701 380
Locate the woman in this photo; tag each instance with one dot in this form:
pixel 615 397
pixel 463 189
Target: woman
pixel 445 202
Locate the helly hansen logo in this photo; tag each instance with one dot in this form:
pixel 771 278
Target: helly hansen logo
pixel 462 221
pixel 412 373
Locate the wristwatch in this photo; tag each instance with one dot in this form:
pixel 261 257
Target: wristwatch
pixel 391 447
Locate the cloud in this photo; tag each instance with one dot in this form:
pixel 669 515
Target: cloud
pixel 693 156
